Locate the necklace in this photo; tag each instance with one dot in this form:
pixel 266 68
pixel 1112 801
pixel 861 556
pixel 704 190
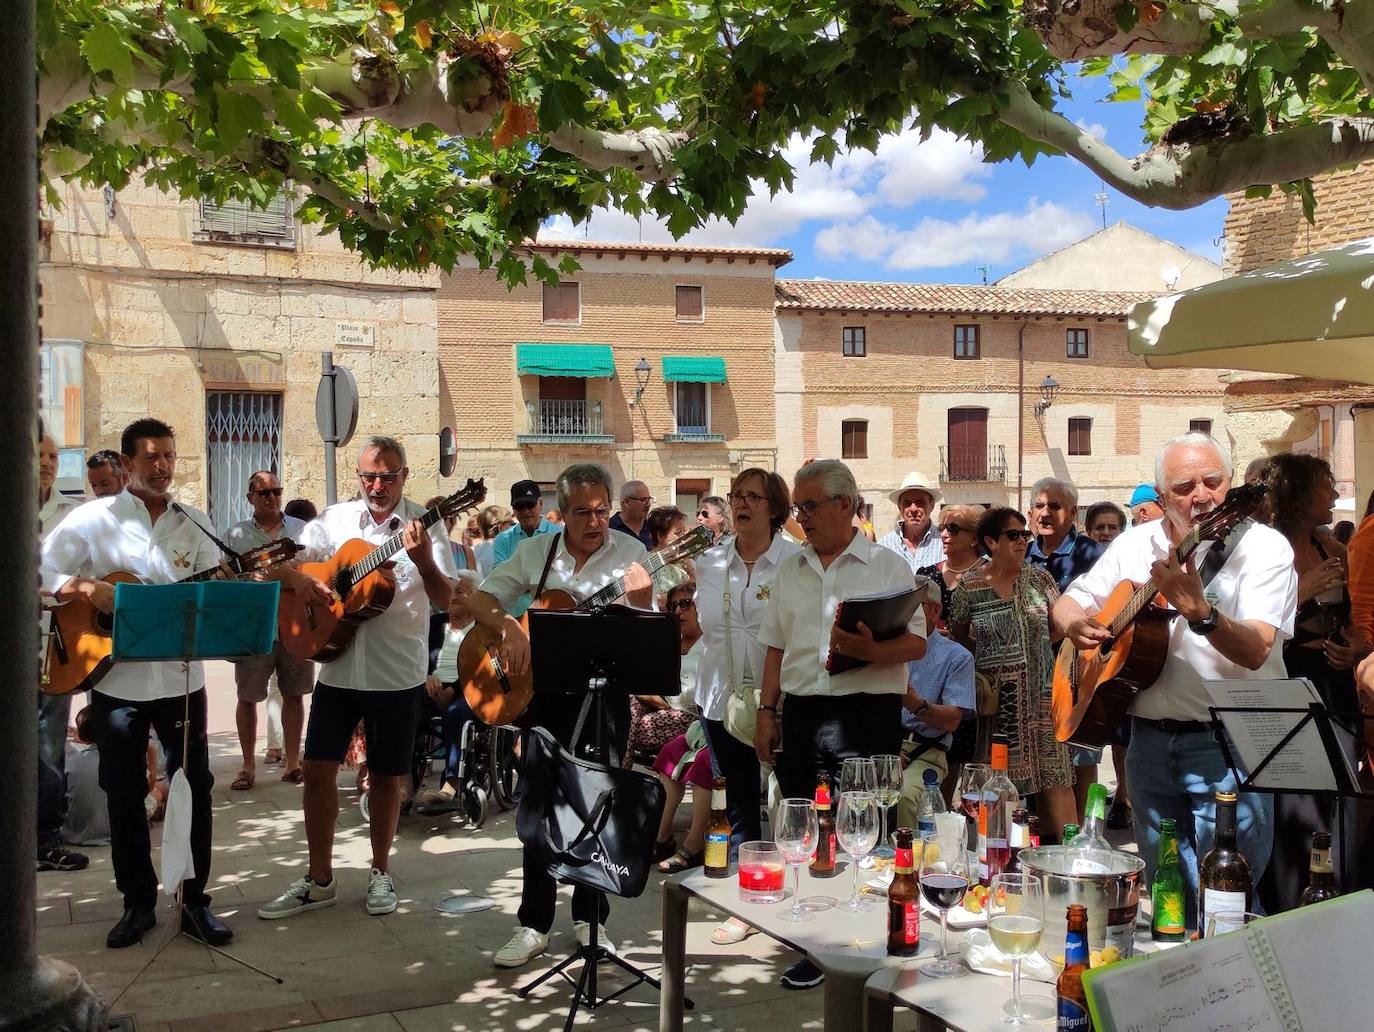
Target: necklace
pixel 962 569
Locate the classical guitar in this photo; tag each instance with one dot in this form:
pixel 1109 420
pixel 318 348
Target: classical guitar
pixel 1093 689
pixel 362 584
pixel 499 697
pixel 78 652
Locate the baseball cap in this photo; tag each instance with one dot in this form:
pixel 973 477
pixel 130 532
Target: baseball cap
pixel 524 492
pixel 1142 494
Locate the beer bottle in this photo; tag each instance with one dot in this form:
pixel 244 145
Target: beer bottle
pixel 1321 881
pixel 1224 875
pixel 994 814
pixel 823 860
pixel 1166 892
pixel 903 901
pixel 1073 1002
pixel 1070 833
pixel 717 862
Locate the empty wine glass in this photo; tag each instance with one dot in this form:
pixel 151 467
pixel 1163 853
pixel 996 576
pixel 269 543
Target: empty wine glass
pixel 970 794
pixel 944 881
pixel 1016 920
pixel 856 830
pixel 795 832
pixel 887 770
pixel 858 774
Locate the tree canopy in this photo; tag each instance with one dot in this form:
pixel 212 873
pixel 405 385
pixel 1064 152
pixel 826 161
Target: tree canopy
pixel 424 130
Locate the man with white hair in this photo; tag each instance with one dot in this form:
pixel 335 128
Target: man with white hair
pixel 1230 625
pixel 1058 547
pixel 916 538
pixel 632 519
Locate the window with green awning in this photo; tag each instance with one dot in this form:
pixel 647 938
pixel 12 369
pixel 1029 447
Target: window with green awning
pixel 586 360
pixel 693 369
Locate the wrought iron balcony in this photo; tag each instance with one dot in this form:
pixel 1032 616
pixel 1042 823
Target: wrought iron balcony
pixel 557 421
pixel 986 464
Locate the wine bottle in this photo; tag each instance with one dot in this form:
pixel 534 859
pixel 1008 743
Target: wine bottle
pixel 823 860
pixel 717 862
pixel 1321 883
pixel 1000 798
pixel 1166 891
pixel 1072 1000
pixel 1091 852
pixel 903 900
pixel 1224 875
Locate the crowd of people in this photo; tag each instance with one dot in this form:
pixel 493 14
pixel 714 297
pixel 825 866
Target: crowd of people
pixel 997 589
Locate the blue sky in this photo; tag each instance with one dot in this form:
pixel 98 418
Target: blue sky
pixel 933 212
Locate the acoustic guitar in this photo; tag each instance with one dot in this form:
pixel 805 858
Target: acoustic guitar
pixel 78 652
pixel 1093 689
pixel 362 584
pixel 500 697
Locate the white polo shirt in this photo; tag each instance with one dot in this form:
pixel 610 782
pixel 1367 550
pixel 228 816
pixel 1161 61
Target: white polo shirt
pixel 116 533
pixel 801 613
pixel 1258 582
pixel 719 569
pixel 390 652
pixel 520 573
pixel 54 510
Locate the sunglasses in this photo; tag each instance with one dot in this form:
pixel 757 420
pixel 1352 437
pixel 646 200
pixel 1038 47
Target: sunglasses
pixel 953 528
pixel 385 478
pixel 1015 534
pixel 263 492
pixel 681 605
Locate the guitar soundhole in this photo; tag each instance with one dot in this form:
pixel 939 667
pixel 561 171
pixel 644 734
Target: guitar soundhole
pixel 1105 649
pixel 105 621
pixel 342 584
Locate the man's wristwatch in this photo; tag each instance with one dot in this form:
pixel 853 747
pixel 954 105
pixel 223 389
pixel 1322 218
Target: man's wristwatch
pixel 771 709
pixel 1206 625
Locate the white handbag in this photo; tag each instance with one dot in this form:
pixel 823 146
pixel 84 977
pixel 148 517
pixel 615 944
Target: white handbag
pixel 742 703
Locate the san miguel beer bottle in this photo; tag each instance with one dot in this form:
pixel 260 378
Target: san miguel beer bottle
pixel 1073 1002
pixel 1224 885
pixel 903 901
pixel 717 861
pixel 1166 892
pixel 823 862
pixel 1321 880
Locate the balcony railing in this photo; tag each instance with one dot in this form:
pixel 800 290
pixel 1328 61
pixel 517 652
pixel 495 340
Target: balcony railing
pixel 556 421
pixel 986 464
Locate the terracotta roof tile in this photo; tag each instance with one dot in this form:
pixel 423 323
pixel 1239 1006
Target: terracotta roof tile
pixel 955 299
pixel 775 256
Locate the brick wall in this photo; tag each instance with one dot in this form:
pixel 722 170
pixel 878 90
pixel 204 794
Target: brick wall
pixel 1261 232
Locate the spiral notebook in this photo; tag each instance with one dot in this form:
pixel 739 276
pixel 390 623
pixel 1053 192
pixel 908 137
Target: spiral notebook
pixel 1303 971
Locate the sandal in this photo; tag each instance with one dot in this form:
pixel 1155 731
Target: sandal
pixel 243 781
pixel 681 860
pixel 294 776
pixel 732 931
pixel 272 756
pixel 663 850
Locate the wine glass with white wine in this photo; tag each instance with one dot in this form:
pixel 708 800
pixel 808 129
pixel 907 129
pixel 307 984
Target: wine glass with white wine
pixel 1016 921
pixel 887 769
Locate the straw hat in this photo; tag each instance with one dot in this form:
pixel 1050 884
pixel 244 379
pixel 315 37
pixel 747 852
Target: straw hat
pixel 915 482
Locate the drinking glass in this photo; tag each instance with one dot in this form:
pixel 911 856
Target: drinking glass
pixel 944 881
pixel 888 789
pixel 1228 921
pixel 858 774
pixel 856 830
pixel 795 832
pixel 971 783
pixel 760 873
pixel 1016 920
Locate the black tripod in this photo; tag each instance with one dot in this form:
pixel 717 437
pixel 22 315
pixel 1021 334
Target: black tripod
pixel 588 655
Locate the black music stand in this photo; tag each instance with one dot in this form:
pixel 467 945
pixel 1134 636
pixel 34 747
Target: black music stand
pixel 585 656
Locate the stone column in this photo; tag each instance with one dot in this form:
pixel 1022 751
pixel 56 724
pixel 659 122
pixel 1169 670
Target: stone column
pixel 36 993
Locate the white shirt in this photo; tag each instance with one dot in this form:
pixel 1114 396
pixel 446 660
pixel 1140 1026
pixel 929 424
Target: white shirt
pixel 390 652
pixel 482 553
pixel 54 510
pixel 520 573
pixel 116 533
pixel 247 535
pixel 928 551
pixel 685 700
pixel 749 596
pixel 801 613
pixel 1258 582
pixel 446 667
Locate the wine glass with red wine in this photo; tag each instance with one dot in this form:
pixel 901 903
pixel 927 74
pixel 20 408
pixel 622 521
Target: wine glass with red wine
pixel 944 881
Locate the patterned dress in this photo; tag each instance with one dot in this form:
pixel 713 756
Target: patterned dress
pixel 1012 647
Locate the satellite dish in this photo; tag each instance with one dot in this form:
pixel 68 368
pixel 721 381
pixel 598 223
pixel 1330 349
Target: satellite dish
pixel 1171 276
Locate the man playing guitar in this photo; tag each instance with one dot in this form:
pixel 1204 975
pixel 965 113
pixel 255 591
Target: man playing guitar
pixel 138 532
pixel 1231 627
pixel 585 557
pixel 379 679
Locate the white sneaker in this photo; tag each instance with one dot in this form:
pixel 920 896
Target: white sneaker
pixel 303 894
pixel 381 893
pixel 584 936
pixel 524 946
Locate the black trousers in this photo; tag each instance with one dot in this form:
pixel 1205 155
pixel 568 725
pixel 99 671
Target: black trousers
pixel 738 764
pixel 121 733
pixel 558 714
pixel 818 732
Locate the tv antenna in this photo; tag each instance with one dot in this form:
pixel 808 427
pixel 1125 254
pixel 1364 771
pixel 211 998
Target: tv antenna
pixel 1101 198
pixel 984 270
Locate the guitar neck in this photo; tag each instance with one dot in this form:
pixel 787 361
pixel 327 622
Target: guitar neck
pixel 652 563
pixel 387 549
pixel 1144 595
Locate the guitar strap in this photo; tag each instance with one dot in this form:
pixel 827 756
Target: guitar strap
pixel 1218 554
pixel 548 562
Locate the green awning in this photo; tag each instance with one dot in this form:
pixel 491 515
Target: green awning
pixel 589 360
pixel 693 369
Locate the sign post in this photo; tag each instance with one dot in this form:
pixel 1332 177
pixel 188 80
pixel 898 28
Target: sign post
pixel 336 417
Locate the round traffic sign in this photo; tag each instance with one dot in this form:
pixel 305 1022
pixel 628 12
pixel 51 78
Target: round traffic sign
pixel 337 422
pixel 448 452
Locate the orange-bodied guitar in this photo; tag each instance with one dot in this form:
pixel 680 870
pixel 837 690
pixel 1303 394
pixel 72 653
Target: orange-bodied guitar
pixel 499 697
pixel 363 585
pixel 1093 689
pixel 78 653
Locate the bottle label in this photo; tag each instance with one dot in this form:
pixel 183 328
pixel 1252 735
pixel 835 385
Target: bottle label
pixel 1224 911
pixel 1321 861
pixel 904 862
pixel 822 797
pixel 717 799
pixel 1121 929
pixel 904 918
pixel 1167 902
pixel 1076 948
pixel 1072 1016
pixel 926 825
pixel 717 850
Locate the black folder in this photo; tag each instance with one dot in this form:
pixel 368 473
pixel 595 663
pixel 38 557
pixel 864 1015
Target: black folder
pixel 886 614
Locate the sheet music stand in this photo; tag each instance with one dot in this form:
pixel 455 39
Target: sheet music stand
pixel 1342 772
pixel 587 656
pixel 189 622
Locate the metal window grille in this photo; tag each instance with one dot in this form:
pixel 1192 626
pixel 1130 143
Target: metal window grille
pixel 691 409
pixel 240 222
pixel 242 436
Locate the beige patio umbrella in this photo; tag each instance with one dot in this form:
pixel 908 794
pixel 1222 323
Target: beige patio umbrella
pixel 1312 316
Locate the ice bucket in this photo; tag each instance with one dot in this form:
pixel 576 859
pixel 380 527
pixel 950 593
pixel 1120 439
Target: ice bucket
pixel 1112 899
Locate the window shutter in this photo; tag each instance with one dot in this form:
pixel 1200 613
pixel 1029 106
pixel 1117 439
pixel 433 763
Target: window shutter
pixel 239 220
pixel 1080 436
pixel 562 303
pixel 689 303
pixel 854 439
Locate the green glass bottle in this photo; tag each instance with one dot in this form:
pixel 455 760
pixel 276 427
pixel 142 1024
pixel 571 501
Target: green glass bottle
pixel 1166 893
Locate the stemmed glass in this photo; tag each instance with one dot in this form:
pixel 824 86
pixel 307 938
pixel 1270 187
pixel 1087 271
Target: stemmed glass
pixel 856 829
pixel 888 789
pixel 1016 920
pixel 795 832
pixel 858 774
pixel 970 794
pixel 944 881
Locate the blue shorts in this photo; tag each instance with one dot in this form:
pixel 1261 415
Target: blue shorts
pixel 389 722
pixel 1082 756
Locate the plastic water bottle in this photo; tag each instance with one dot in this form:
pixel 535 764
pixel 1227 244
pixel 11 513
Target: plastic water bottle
pixel 932 802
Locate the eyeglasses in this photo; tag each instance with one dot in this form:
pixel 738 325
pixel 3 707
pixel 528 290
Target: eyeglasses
pixel 263 492
pixel 385 478
pixel 642 499
pixel 953 528
pixel 808 509
pixel 681 605
pixel 1016 534
pixel 602 513
pixel 746 498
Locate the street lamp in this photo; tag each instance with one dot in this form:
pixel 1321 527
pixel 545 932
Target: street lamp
pixel 642 370
pixel 1048 388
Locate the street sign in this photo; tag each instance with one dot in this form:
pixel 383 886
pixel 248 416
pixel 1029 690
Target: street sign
pixel 336 406
pixel 448 452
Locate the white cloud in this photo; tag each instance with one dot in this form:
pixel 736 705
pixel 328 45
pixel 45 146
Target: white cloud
pixel 1094 129
pixel 974 239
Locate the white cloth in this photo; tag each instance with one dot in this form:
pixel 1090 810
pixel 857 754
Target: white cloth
pixel 390 652
pixel 1258 582
pixel 481 551
pixel 801 613
pixel 116 533
pixel 446 667
pixel 247 535
pixel 520 573
pixel 54 510
pixel 748 602
pixel 177 862
pixel 982 956
pixel 928 551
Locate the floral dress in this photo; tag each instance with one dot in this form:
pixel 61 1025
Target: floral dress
pixel 1011 646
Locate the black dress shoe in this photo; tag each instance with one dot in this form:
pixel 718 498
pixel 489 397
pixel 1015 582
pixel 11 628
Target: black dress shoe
pixel 129 931
pixel 200 924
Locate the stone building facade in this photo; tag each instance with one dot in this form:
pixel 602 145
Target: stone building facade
pixel 214 320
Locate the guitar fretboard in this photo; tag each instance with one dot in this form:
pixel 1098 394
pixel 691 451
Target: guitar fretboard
pixel 1145 594
pixel 387 549
pixel 652 563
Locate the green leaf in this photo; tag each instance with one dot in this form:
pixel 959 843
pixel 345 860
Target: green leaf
pixel 239 115
pixel 1126 17
pixel 106 50
pixel 187 30
pixel 280 59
